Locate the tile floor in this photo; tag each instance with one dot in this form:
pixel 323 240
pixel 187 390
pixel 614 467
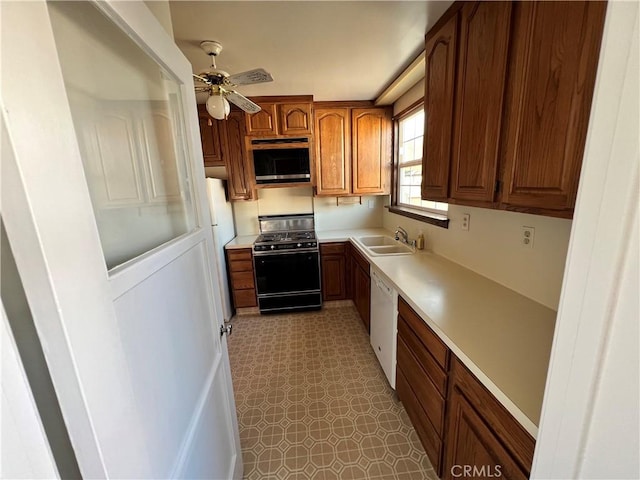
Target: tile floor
pixel 313 402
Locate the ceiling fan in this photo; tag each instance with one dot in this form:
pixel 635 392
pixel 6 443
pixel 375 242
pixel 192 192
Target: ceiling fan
pixel 220 84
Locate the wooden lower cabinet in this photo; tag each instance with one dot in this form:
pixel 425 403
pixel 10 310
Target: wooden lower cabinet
pixel 345 275
pixel 333 263
pixel 482 433
pixel 473 447
pixel 465 431
pixel 421 379
pixel 241 277
pixel 361 287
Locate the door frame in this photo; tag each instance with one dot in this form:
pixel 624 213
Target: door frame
pixel 606 208
pixel 39 212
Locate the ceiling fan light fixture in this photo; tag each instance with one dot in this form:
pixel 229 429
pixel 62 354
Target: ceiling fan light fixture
pixel 218 106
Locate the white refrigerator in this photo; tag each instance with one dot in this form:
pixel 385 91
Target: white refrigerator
pixel 224 230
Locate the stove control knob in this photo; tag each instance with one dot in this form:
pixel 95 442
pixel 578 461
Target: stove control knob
pixel 273 247
pixel 299 245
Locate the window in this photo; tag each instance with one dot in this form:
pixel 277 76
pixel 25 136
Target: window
pixel 409 161
pixel 130 132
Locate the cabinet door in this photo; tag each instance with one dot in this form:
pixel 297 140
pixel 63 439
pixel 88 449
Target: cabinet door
pixel 295 118
pixel 333 277
pixel 349 269
pixel 333 151
pixel 482 60
pixel 440 57
pixel 237 166
pixel 371 156
pixel 472 445
pixel 263 123
pixel 553 70
pixel 362 294
pixel 211 142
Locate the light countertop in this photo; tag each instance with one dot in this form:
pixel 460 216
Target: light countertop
pixel 241 241
pixel 503 337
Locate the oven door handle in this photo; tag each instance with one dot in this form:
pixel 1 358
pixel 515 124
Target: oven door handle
pixel 285 252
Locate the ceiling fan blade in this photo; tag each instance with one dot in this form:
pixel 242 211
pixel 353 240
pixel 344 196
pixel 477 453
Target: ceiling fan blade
pixel 243 102
pixel 202 79
pixel 203 89
pixel 258 75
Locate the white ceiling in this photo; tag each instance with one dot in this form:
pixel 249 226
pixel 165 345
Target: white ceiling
pixel 333 50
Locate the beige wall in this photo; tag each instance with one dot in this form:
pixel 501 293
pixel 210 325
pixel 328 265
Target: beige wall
pixel 328 215
pixel 161 10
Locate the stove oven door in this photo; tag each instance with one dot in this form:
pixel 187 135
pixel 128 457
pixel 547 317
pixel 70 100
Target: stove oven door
pixel 287 273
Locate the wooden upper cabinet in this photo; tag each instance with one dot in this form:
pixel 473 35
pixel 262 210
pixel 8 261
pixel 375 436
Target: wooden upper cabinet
pixel 211 141
pixel 240 176
pixel 371 150
pixel 553 68
pixel 483 42
pixel 333 151
pixel 295 118
pixel 285 115
pixel 352 148
pixel 440 57
pixel 263 123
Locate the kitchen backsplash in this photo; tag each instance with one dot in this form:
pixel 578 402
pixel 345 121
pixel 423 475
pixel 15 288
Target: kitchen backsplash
pixel 328 215
pixel 492 247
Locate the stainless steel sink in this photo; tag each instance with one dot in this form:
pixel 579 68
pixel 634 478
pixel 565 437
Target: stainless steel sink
pixel 383 245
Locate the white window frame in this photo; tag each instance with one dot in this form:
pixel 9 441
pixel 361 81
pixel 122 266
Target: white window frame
pixel 417 209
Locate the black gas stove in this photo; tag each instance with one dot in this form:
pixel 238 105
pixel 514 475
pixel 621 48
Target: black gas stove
pixel 287 264
pixel 293 240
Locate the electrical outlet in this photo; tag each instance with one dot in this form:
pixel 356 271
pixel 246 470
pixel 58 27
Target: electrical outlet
pixel 371 203
pixel 528 234
pixel 466 218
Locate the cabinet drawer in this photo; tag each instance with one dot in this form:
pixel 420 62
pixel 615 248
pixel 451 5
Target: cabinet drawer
pixel 427 395
pixel 242 280
pixel 431 367
pixel 427 434
pixel 430 340
pixel 244 298
pixel 241 266
pixel 332 248
pixel 238 255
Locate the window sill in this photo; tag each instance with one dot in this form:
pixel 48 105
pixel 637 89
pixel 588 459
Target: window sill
pixel 420 215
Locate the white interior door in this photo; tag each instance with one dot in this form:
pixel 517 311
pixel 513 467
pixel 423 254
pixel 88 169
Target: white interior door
pixel 104 204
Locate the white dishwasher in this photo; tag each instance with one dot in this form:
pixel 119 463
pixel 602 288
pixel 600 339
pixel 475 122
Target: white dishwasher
pixel 384 323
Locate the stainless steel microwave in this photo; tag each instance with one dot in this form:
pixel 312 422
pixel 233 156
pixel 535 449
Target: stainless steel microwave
pixel 281 160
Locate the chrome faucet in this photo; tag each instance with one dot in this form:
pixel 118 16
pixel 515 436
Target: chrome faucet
pixel 402 232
